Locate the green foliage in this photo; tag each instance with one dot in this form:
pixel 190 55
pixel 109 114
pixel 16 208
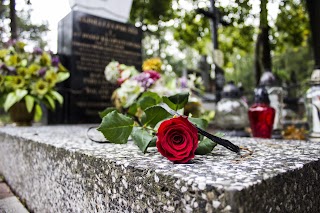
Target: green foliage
pixel 199 122
pixel 29 77
pixel 205 146
pixel 148 99
pixel 141 138
pixel 294 68
pixel 29 102
pixel 106 111
pixel 151 11
pixel 177 101
pixel 153 115
pixel 14 97
pixel 291 26
pixel 116 127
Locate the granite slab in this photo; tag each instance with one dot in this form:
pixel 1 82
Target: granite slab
pixel 58 169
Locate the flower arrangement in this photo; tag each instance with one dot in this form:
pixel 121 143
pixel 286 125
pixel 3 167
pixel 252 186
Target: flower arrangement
pixel 146 109
pixel 30 78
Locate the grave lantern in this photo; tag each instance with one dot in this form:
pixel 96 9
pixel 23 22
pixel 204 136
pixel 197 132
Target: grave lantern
pixel 313 105
pixel 276 94
pixel 261 114
pixel 231 111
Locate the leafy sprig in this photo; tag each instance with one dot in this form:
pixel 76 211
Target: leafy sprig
pixel 142 119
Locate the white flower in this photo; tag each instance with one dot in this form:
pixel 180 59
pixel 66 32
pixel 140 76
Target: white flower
pixel 112 72
pixel 128 71
pixel 129 92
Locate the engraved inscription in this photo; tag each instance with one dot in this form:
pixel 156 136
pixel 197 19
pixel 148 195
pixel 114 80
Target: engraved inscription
pixel 95 43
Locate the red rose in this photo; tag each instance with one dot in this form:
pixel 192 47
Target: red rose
pixel 177 139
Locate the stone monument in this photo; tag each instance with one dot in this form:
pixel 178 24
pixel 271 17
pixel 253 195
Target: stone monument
pixel 109 9
pixel 86 44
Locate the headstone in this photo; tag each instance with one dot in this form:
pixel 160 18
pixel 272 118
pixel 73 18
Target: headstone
pixel 110 9
pixel 86 44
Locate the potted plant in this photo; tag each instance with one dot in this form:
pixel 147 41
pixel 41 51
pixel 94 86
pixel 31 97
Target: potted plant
pixel 27 80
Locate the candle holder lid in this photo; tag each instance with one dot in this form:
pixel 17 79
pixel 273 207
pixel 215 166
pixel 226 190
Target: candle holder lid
pixel 230 91
pixel 267 79
pixel 315 77
pixel 261 95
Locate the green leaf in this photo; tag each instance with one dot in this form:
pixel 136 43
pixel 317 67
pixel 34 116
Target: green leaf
pixel 116 127
pixel 21 93
pixel 205 146
pixel 62 76
pixel 2 100
pixel 29 102
pixel 52 105
pixel 153 142
pixel 106 111
pixel 14 97
pixel 145 102
pixel 153 95
pixel 133 109
pixel 38 113
pixel 177 101
pixel 199 122
pixel 154 115
pixel 219 134
pixel 10 101
pixel 57 96
pixel 141 138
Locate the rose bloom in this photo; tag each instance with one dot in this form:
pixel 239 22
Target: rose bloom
pixel 177 139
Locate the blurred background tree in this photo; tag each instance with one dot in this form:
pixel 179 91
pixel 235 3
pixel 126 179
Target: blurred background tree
pixel 21 27
pixel 175 32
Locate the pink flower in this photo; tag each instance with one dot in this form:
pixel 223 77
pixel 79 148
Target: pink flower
pixel 147 78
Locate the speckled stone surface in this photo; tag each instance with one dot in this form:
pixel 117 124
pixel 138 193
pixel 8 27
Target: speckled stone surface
pixel 57 169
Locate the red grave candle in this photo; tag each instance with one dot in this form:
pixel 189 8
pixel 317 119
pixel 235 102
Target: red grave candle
pixel 261 115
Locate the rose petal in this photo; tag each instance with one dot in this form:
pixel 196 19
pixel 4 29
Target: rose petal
pixel 177 139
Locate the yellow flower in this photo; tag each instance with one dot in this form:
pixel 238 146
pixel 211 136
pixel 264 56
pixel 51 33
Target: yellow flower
pixel 22 71
pixel 20 45
pixel 45 59
pixel 3 53
pixel 51 77
pixel 152 64
pixel 16 82
pixel 33 68
pixel 40 88
pixel 12 60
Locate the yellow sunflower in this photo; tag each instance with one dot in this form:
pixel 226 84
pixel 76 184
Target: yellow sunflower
pixel 51 77
pixel 16 82
pixel 3 53
pixel 152 64
pixel 45 59
pixel 40 88
pixel 33 68
pixel 12 60
pixel 22 71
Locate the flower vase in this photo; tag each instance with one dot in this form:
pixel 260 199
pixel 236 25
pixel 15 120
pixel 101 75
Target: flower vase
pixel 20 115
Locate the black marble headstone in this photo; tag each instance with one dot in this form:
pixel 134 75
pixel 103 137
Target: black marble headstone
pixel 86 44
